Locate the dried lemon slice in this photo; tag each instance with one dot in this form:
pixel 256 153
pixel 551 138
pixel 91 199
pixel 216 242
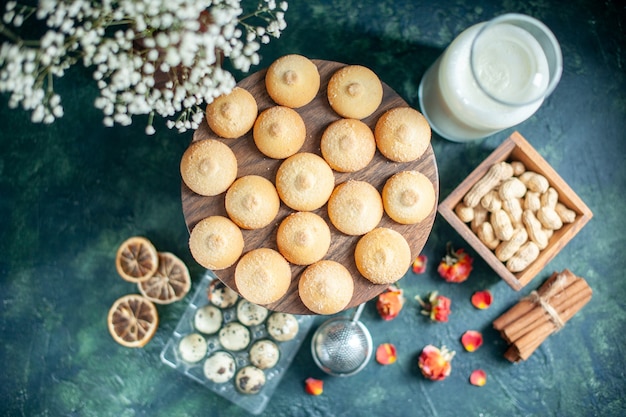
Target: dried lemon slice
pixel 136 259
pixel 132 320
pixel 171 281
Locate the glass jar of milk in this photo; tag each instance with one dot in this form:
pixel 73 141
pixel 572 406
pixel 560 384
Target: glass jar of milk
pixel 493 76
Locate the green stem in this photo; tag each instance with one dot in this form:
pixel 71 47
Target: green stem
pixel 50 84
pixel 9 34
pixel 257 12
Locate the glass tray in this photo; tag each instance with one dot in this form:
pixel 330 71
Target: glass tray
pixel 254 403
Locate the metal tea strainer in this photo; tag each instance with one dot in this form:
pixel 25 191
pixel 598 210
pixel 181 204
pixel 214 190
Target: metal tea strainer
pixel 342 346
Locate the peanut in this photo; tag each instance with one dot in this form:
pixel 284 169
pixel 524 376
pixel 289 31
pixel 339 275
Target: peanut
pixel 533 227
pixel 493 177
pixel 518 168
pixel 491 201
pixel 532 201
pixel 513 207
pixel 506 250
pixel 466 214
pixel 515 212
pixel 566 215
pixel 549 218
pixel 480 216
pixel 524 257
pixel 511 188
pixel 502 226
pixel 486 235
pixel 534 182
pixel 549 198
pixel 548 232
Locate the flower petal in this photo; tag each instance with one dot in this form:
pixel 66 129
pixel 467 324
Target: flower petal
pixel 386 354
pixel 419 265
pixel 482 299
pixel 313 386
pixel 471 340
pixel 478 378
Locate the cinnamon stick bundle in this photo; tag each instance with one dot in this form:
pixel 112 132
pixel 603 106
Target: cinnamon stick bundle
pixel 528 323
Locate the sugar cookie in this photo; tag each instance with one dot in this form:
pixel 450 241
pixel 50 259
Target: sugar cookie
pixel 304 181
pixel 303 238
pixel 354 92
pixel 402 134
pixel 348 145
pixel 232 115
pixel 326 287
pixel 382 256
pixel 355 207
pixel 208 167
pixel 292 81
pixel 279 132
pixel 216 242
pixel 408 197
pixel 252 202
pixel 262 276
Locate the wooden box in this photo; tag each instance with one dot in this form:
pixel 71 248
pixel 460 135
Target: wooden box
pixel 516 148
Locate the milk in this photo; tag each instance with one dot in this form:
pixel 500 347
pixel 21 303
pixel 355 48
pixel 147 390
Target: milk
pixel 512 70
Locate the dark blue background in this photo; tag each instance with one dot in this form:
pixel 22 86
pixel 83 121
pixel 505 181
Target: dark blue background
pixel 71 192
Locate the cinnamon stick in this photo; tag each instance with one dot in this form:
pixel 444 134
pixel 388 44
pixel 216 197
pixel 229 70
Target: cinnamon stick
pixel 531 341
pixel 528 343
pixel 547 289
pixel 565 311
pixel 527 324
pixel 525 305
pixel 518 310
pixel 538 315
pixel 512 354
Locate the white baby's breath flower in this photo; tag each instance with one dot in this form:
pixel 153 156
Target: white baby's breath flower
pixel 37 115
pixel 149 57
pixel 57 112
pixel 8 16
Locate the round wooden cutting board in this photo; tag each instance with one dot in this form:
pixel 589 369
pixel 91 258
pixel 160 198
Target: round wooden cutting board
pixel 317 116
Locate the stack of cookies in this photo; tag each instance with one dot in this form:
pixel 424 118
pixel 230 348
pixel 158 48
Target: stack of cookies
pixel 320 208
